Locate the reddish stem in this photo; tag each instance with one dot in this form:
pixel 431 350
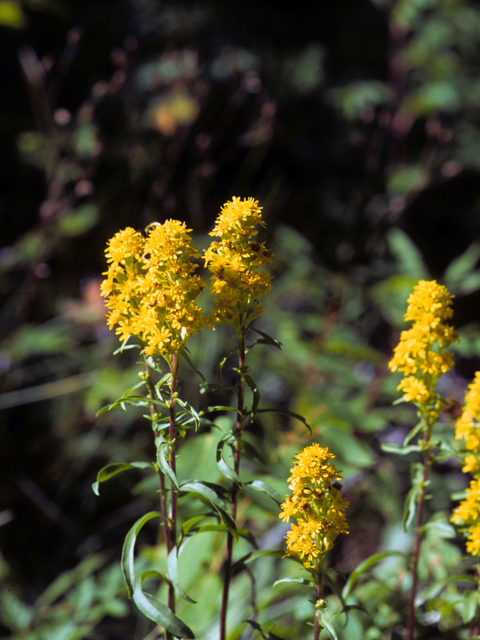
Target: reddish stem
pixel 234 491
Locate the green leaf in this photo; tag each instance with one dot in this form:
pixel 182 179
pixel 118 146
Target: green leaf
pixel 268 339
pixel 257 627
pixel 413 432
pixel 164 465
pixel 172 563
pixel 256 394
pixel 399 449
pixel 191 366
pixel 208 493
pixel 128 558
pixel 222 363
pixel 190 410
pixel 287 412
pixel 155 610
pixel 227 471
pixel 363 566
pixel 117 467
pixel 303 581
pixel 186 526
pixel 325 622
pixel 263 487
pixel 413 495
pixel 147 575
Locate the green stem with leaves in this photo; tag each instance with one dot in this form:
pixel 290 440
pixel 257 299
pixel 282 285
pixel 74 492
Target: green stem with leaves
pixel 172 435
pixel 234 491
pixel 427 463
pixel 317 627
pixel 161 477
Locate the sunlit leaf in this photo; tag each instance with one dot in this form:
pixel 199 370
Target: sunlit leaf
pixel 155 610
pixel 172 563
pixel 111 470
pixel 128 551
pixel 363 566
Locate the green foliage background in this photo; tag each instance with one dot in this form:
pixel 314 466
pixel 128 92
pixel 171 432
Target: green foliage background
pixel 356 126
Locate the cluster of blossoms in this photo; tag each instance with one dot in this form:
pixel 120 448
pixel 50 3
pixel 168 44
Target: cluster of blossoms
pixel 422 351
pixel 317 505
pixel 236 262
pixel 152 289
pixel 467 428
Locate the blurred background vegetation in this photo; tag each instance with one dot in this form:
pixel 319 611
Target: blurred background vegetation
pixel 356 124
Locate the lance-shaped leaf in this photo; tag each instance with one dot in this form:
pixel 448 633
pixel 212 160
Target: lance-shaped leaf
pixel 303 581
pixel 172 563
pixel 117 467
pixel 265 636
pixel 400 450
pixel 327 625
pixel 128 551
pixel 268 339
pixel 263 487
pixel 227 471
pixel 185 354
pixel 287 412
pixel 124 398
pixel 256 395
pixel 211 496
pixel 363 566
pixel 190 410
pixel 189 524
pixel 164 465
pixel 155 610
pixel 413 495
pixel 229 353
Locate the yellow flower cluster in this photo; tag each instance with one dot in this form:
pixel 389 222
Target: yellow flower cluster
pixel 317 505
pixel 468 514
pixel 236 262
pixel 467 428
pixel 422 351
pixel 151 287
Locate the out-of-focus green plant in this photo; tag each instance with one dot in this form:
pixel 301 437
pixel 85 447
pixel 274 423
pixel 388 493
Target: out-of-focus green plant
pixel 70 608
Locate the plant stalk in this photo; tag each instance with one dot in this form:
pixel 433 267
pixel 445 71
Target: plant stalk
pixel 161 479
pixel 172 538
pixel 234 491
pixel 427 463
pixel 317 627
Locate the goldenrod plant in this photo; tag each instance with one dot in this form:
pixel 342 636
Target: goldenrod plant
pixel 157 300
pixel 319 508
pixel 422 355
pixel 154 297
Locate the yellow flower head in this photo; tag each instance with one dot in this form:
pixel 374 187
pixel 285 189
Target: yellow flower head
pixel 467 514
pixel 151 287
pixel 317 504
pixel 422 351
pixel 235 262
